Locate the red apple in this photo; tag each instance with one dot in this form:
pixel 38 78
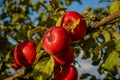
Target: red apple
pixel 25 53
pixel 55 39
pixel 68 72
pixel 66 57
pixel 77 32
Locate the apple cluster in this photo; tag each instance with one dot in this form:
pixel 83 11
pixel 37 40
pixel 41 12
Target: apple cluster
pixel 57 42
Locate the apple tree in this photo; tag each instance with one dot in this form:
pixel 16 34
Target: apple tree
pixel 29 20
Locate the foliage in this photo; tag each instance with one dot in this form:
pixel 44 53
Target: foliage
pixel 22 20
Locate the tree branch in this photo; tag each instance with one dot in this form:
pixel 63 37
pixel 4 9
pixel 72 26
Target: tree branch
pixel 18 74
pixel 114 21
pixel 106 19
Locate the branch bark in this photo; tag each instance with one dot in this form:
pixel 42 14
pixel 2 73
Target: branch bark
pixel 107 19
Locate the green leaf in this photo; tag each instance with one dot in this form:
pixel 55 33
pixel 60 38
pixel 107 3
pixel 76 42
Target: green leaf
pixel 43 69
pixel 118 46
pixel 114 7
pixel 59 21
pixel 35 30
pixel 44 17
pixel 7 56
pixel 1 63
pixel 38 56
pixel 106 35
pixel 111 62
pixel 116 35
pixel 99 48
pixel 58 2
pixel 89 43
pixel 88 21
pixel 85 75
pixel 61 9
pixel 39 46
pixel 22 8
pixel 49 7
pixel 95 36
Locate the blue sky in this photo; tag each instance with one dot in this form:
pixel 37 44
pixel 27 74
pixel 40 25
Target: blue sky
pixel 75 6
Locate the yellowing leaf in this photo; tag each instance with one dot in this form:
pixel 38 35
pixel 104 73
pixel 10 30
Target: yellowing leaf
pixel 106 35
pixel 114 7
pixel 116 35
pixel 43 69
pixel 75 24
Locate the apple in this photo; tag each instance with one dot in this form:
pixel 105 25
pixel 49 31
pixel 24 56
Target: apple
pixel 65 57
pixel 24 54
pixel 56 39
pixel 78 31
pixel 68 72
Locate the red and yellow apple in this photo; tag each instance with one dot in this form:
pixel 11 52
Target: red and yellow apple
pixel 76 31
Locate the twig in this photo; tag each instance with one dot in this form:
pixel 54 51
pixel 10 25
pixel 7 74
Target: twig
pixel 18 74
pixel 107 19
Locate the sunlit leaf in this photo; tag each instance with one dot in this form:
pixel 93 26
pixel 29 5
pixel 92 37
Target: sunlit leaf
pixel 95 36
pixel 118 46
pixel 68 2
pixel 114 7
pixel 39 46
pixel 43 69
pixel 50 8
pixel 116 35
pixel 39 54
pixel 43 17
pixel 75 24
pixel 88 21
pixel 39 51
pixel 111 62
pixel 58 4
pixel 37 29
pixel 7 56
pixel 106 35
pixel 59 21
pixel 22 8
